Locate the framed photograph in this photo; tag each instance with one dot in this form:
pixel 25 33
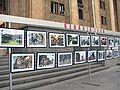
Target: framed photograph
pixel 109 54
pixel 45 60
pixel 72 39
pixel 91 56
pixel 111 41
pixel 101 55
pixel 94 40
pixel 22 62
pixel 57 40
pixel 64 59
pixel 117 42
pixel 85 41
pixel 80 57
pixel 103 41
pixel 11 38
pixel 36 39
pixel 119 52
pixel 115 53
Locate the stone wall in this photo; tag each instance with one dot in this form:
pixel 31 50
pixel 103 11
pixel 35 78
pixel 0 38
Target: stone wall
pixel 40 9
pixel 48 15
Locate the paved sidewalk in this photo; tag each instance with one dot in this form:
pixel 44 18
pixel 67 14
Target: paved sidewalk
pixel 107 80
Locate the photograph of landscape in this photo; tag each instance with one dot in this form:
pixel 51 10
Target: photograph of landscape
pixel 11 38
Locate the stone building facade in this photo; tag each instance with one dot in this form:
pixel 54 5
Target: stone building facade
pixel 98 13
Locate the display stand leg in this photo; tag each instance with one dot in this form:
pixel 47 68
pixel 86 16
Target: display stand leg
pixel 10 74
pixel 89 72
pixel 89 83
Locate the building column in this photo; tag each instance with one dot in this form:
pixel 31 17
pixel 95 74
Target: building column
pixel 97 17
pixel 118 14
pixel 112 15
pixel 74 18
pixel 37 9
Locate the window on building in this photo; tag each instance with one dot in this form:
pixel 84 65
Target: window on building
pixel 54 7
pixel 2 6
pixel 103 20
pixel 62 9
pixel 102 4
pixel 80 1
pixel 57 8
pixel 80 12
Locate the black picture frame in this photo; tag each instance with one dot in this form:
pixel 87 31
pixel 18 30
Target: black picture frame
pixel 36 39
pixel 46 60
pixel 111 41
pixel 109 54
pixel 101 55
pixel 84 41
pixel 72 39
pixel 115 53
pixel 12 38
pixel 80 57
pixel 92 56
pixel 64 59
pixel 103 41
pixel 56 40
pixel 21 62
pixel 117 41
pixel 95 41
